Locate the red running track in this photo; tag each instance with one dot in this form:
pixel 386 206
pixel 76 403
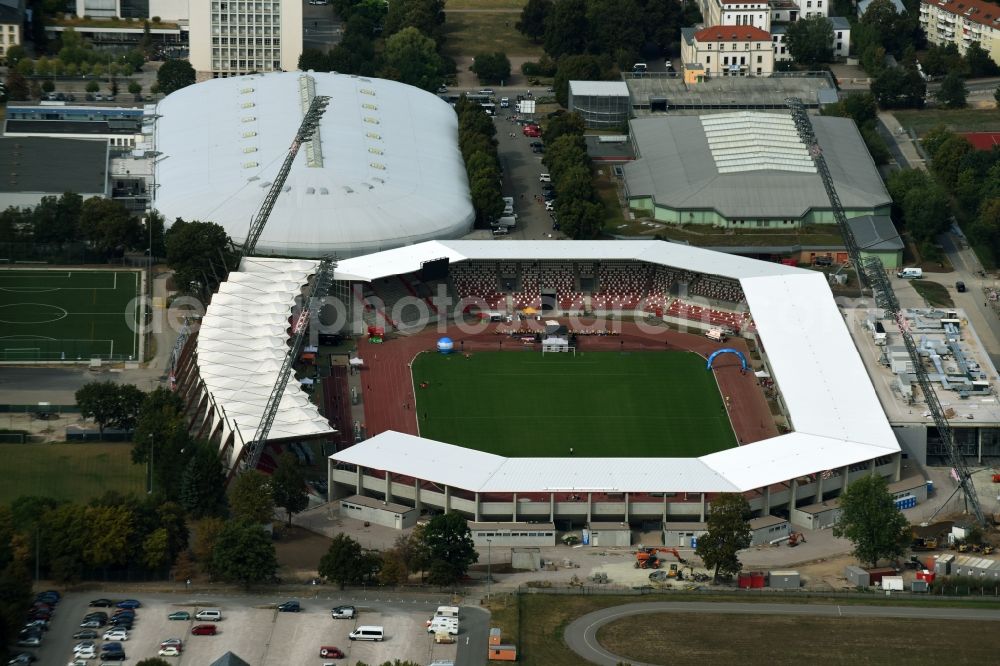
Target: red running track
pixel 388 387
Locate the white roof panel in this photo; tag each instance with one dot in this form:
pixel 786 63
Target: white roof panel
pixel 391 174
pixel 599 88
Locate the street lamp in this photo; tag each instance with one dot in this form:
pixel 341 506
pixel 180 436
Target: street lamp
pixel 489 567
pixel 150 491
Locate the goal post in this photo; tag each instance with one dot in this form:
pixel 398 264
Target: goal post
pixel 558 349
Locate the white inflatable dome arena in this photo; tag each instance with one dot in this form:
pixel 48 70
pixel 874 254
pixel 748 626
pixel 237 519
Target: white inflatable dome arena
pixel 385 172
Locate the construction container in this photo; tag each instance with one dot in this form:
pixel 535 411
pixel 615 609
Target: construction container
pixel 743 581
pixel 784 580
pixel 495 635
pixel 894 583
pixel 919 586
pixel 875 575
pixel 758 579
pixel 857 576
pixel 926 576
pixel 502 652
pixel 943 564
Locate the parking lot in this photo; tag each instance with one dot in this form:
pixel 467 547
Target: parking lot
pixel 252 629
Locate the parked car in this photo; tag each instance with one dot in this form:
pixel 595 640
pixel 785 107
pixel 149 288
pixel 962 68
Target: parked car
pixel 84 634
pixel 38 624
pixel 89 653
pixel 179 615
pixel 960 287
pixel 29 641
pixel 544 178
pixel 204 630
pixel 101 603
pixel 116 634
pixel 172 642
pixel 551 205
pixel 113 656
pixel 169 651
pixel 331 652
pixel 84 645
pixel 93 623
pixel 129 603
pixel 289 607
pixel 22 659
pixel 343 612
pixel 532 131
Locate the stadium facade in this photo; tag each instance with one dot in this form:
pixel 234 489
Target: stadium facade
pixel 748 170
pixel 383 171
pixel 838 431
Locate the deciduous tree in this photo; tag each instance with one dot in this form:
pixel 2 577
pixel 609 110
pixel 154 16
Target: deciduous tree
pixel 449 544
pixel 491 67
pixel 870 520
pixel 532 22
pixel 109 226
pixel 244 554
pixel 203 483
pixel 810 40
pixel 251 497
pixel 289 486
pixel 728 526
pixel 412 58
pixel 174 75
pixel 952 93
pixel 566 28
pixel 200 253
pixel 344 562
pixel 110 404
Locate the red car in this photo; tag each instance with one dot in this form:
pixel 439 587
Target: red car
pixel 532 130
pixel 204 630
pixel 331 652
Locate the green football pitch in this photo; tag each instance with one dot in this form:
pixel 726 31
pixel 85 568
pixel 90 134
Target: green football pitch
pixel 602 404
pixel 54 315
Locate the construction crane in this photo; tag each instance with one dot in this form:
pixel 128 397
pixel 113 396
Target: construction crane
pixel 310 122
pixel 872 273
pixel 251 452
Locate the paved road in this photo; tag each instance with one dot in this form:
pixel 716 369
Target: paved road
pixel 321 27
pixel 581 634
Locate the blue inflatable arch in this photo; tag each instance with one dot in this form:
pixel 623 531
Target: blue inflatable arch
pixel 727 350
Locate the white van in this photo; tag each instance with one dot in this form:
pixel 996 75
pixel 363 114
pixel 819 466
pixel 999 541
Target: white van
pixel 508 205
pixel 447 625
pixel 446 611
pixel 716 335
pixel 367 633
pixel 209 615
pixel 639 68
pixel 910 273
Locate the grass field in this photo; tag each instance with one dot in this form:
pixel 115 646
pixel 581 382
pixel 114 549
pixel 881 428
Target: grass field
pixel 957 120
pixel 467 34
pixel 52 315
pixel 603 404
pixel 695 638
pixel 69 471
pixel 538 628
pixel 934 293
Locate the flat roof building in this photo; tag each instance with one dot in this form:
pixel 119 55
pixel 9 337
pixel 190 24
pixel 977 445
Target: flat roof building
pixel 36 167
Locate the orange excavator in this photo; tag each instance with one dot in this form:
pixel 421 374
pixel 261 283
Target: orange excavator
pixel 648 558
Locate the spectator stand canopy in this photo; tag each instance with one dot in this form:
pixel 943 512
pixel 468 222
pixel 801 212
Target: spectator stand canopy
pixel 383 171
pixel 240 347
pixel 832 406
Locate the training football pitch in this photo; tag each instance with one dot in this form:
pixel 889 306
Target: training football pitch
pixel 64 315
pixel 602 404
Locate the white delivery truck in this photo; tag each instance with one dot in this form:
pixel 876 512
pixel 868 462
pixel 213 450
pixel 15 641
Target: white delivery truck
pixel 911 273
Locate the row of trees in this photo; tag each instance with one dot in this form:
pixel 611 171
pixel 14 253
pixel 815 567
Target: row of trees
pixel 579 210
pixel 861 108
pixel 625 30
pixel 477 141
pixel 399 41
pixel 442 549
pixel 869 519
pixel 103 224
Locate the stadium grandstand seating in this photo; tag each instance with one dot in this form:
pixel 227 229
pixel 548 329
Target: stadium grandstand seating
pixel 477 280
pixel 717 289
pixel 734 321
pixel 621 285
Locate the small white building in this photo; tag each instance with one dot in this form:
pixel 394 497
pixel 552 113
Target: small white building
pixel 816 516
pixel 512 535
pixel 841 36
pixel 371 510
pixel 608 535
pixel 766 529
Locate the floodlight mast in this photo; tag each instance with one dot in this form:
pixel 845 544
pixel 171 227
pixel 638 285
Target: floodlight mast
pixel 872 272
pixel 305 132
pixel 250 453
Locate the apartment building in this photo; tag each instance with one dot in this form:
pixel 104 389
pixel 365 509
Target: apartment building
pixel 962 22
pixel 729 50
pixel 236 37
pixel 10 28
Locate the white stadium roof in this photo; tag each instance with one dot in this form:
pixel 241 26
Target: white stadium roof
pixel 391 171
pixel 835 413
pixel 241 345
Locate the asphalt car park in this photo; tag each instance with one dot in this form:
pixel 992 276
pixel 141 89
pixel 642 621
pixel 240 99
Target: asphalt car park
pixel 254 630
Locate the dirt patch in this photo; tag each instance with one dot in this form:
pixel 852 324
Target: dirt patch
pixel 299 552
pixel 676 639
